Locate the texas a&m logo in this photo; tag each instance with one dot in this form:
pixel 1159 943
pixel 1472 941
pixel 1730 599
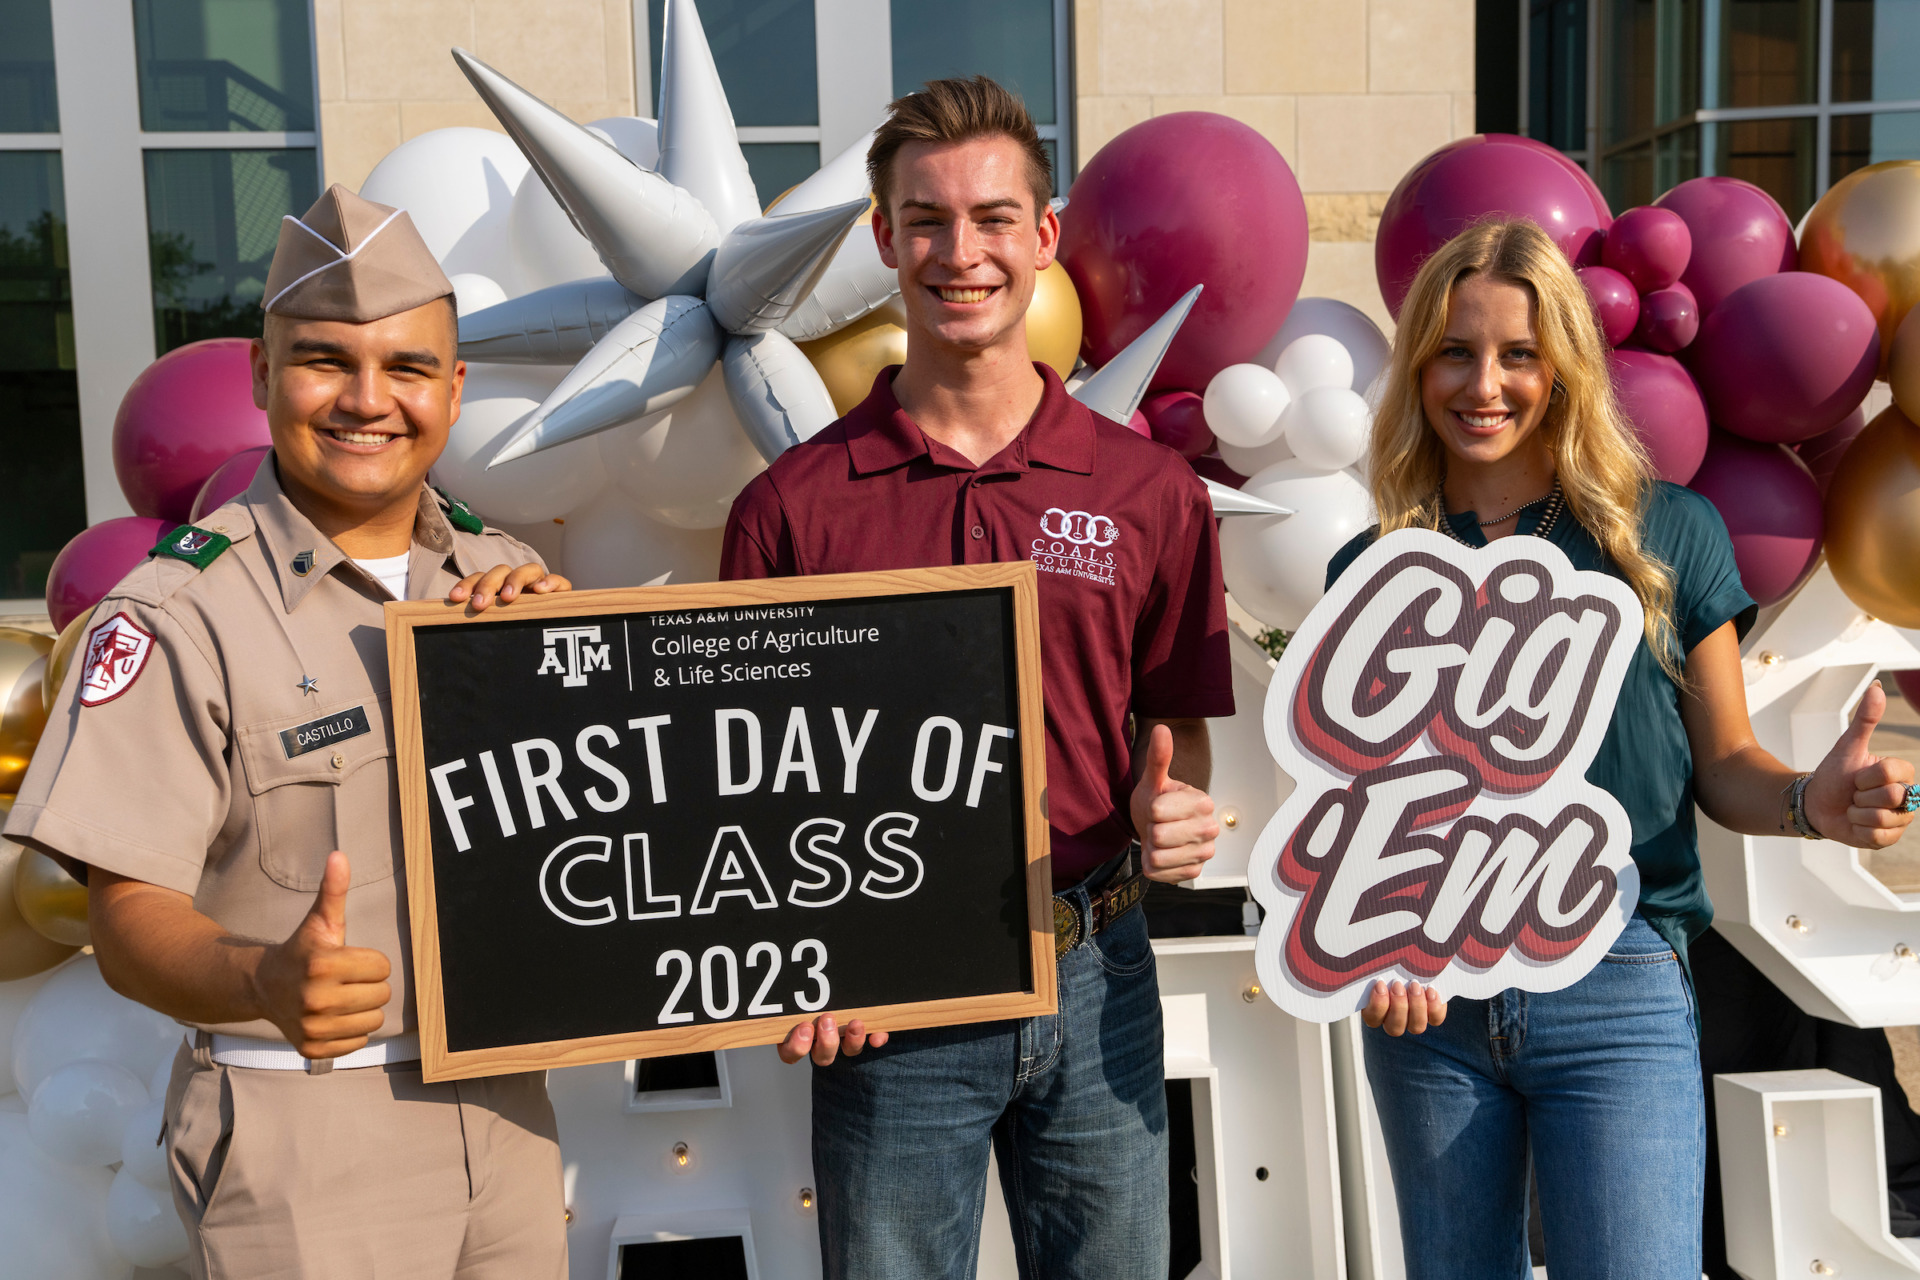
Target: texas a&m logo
pixel 116 651
pixel 1074 543
pixel 583 650
pixel 1438 711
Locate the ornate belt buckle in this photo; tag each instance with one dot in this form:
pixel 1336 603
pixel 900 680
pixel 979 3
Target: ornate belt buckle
pixel 1066 927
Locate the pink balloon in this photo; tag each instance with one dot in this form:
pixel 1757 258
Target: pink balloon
pixel 1178 422
pixel 1648 246
pixel 1909 685
pixel 1669 318
pixel 1663 403
pixel 1772 508
pixel 1739 234
pixel 187 412
pixel 228 481
pixel 1583 248
pixel 1573 167
pixel 1786 356
pixel 1616 303
pixel 1487 175
pixel 1139 426
pixel 95 561
pixel 1822 453
pixel 1211 466
pixel 1184 199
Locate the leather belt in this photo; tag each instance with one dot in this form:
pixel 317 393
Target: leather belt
pixel 1124 890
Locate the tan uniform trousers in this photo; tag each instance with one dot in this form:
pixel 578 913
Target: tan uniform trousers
pixel 369 1172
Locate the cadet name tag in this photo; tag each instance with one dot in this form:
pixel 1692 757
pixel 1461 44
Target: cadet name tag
pixel 324 732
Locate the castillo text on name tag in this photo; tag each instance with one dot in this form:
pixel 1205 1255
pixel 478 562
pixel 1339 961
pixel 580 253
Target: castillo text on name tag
pixel 324 732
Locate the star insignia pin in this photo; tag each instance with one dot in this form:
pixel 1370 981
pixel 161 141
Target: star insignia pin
pixel 309 685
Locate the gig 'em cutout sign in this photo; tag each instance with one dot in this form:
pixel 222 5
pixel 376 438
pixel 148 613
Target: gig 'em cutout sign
pixel 1438 711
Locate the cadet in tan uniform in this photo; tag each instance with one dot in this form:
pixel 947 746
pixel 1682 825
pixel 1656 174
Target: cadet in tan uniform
pixel 221 765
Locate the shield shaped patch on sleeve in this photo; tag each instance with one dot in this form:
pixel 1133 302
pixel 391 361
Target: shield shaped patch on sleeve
pixel 117 650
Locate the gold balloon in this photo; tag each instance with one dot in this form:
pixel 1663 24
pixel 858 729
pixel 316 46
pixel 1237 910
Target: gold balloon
pixel 23 950
pixel 23 716
pixel 1865 233
pixel 1903 365
pixel 849 359
pixel 49 899
pixel 1053 321
pixel 61 657
pixel 1873 520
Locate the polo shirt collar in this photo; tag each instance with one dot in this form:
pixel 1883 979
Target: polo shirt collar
pixel 1060 435
pixel 300 554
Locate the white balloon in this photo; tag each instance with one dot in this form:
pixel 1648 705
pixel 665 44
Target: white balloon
pixel 684 465
pixel 1328 428
pixel 79 1113
pixel 457 185
pixel 474 292
pixel 614 544
pixel 546 248
pixel 495 404
pixel 1313 361
pixel 1243 405
pixel 1276 566
pixel 52 1215
pixel 548 538
pixel 1251 462
pixel 142 1154
pixel 1351 327
pixel 162 1077
pixel 142 1223
pixel 14 998
pixel 74 1015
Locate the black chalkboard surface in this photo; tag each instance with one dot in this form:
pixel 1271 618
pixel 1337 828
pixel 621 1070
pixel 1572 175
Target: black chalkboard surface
pixel 672 819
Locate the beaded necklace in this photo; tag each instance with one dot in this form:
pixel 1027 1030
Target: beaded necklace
pixel 1555 501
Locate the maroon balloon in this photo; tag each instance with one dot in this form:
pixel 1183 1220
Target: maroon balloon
pixel 1184 199
pixel 1786 356
pixel 1772 508
pixel 1740 233
pixel 1178 422
pixel 1664 405
pixel 1572 166
pixel 1908 683
pixel 1211 466
pixel 1583 248
pixel 1648 246
pixel 1669 318
pixel 187 412
pixel 1822 453
pixel 1616 303
pixel 228 481
pixel 1487 175
pixel 96 560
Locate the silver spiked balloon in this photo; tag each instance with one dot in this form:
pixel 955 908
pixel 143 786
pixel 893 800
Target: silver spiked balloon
pixel 766 267
pixel 555 325
pixel 699 147
pixel 1119 385
pixel 775 392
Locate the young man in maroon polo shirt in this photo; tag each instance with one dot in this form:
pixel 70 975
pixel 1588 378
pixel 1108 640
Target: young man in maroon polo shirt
pixel 968 454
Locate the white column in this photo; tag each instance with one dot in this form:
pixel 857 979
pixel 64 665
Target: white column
pixel 853 51
pixel 106 224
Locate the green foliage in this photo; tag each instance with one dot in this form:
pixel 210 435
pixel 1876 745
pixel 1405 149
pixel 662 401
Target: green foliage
pixel 1273 640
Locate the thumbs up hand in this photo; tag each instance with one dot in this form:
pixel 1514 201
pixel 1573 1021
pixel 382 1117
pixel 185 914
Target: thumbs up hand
pixel 325 996
pixel 1174 820
pixel 1856 797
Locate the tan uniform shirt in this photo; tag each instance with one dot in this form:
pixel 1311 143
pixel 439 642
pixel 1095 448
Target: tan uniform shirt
pixel 235 727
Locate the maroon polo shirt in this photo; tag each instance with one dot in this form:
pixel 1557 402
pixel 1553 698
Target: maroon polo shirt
pixel 1132 612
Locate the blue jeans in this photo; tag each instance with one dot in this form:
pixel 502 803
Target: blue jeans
pixel 1601 1080
pixel 1074 1105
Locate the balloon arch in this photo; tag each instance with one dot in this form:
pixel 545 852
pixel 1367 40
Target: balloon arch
pixel 629 258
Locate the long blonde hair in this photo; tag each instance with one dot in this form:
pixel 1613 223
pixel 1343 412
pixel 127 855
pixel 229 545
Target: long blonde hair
pixel 1603 469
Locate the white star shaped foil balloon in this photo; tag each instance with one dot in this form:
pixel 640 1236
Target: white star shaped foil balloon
pixel 699 277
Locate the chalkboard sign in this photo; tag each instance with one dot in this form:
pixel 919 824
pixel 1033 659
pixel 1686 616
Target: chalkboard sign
pixel 674 819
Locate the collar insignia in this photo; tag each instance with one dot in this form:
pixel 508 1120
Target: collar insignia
pixel 303 563
pixel 309 685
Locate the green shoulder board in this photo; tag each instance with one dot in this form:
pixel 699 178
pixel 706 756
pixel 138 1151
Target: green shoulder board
pixel 460 515
pixel 198 547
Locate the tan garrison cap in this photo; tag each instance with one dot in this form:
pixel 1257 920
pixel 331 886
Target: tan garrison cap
pixel 351 259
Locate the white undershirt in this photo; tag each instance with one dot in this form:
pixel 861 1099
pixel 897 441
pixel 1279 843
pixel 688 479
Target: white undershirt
pixel 390 572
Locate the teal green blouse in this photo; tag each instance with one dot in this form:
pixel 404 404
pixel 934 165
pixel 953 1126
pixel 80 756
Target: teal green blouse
pixel 1644 760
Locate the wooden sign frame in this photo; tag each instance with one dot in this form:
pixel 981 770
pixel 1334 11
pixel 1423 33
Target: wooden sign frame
pixel 403 619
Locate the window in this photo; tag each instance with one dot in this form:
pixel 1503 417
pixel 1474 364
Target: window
pixel 27 102
pixel 227 93
pixel 1788 94
pixel 774 59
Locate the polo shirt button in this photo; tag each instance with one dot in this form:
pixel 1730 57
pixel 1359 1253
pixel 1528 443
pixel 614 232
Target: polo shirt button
pixel 339 761
pixel 979 532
